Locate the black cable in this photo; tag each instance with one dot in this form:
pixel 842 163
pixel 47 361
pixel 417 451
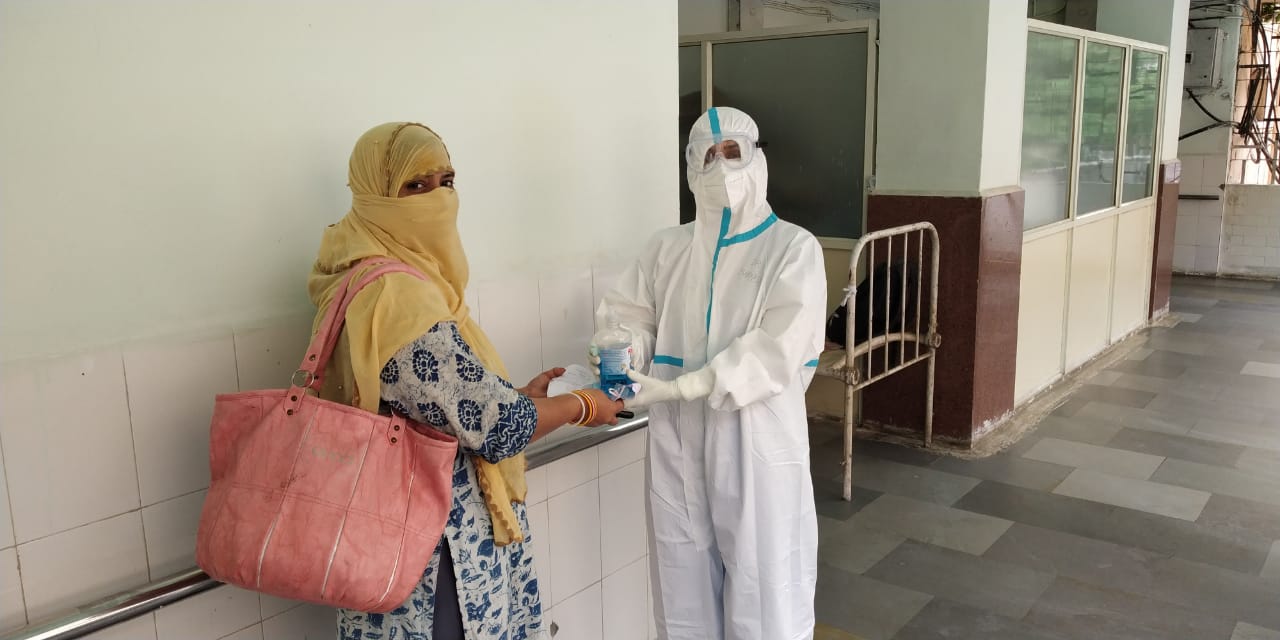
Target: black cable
pixel 1205 128
pixel 1259 82
pixel 1248 128
pixel 1206 111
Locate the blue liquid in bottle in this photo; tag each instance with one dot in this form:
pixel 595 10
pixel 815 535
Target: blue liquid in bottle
pixel 614 348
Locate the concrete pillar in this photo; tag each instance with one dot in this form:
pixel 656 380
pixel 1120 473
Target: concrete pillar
pixel 949 142
pixel 950 92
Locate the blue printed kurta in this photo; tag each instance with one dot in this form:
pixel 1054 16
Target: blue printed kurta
pixel 437 380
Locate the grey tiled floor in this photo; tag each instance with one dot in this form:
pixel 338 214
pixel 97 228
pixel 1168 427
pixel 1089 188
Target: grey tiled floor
pixel 1146 506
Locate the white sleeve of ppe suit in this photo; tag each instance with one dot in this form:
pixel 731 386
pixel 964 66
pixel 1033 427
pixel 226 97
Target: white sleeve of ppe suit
pixel 763 362
pixel 630 300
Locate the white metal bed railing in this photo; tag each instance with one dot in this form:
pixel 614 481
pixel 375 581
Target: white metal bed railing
pixel 900 337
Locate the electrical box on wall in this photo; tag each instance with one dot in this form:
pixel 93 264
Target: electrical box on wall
pixel 1204 50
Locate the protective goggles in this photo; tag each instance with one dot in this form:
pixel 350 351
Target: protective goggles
pixel 735 150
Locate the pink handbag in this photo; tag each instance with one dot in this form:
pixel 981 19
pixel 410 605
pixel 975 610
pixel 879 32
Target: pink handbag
pixel 318 501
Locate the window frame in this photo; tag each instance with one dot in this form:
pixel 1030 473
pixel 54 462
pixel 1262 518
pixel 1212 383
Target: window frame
pixel 1082 38
pixel 869 27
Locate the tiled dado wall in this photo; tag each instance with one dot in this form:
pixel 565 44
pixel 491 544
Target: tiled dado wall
pixel 1251 231
pixel 105 463
pixel 1198 234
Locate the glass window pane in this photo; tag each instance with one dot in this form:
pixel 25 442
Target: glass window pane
pixel 809 96
pixel 690 86
pixel 1140 130
pixel 1048 117
pixel 1099 127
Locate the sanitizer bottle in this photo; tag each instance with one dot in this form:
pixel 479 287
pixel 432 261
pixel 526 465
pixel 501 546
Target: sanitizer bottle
pixel 614 346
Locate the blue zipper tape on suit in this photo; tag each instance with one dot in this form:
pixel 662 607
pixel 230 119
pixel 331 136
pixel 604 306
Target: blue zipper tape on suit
pixel 669 360
pixel 752 234
pixel 723 242
pixel 715 260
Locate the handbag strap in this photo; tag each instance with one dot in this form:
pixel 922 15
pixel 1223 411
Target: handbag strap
pixel 310 373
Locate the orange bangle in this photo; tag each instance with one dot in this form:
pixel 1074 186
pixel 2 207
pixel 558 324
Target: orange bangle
pixel 591 406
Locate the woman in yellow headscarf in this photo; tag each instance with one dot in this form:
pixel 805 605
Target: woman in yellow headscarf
pixel 410 346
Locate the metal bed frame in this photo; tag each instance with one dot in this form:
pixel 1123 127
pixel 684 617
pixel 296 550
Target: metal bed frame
pixel 915 340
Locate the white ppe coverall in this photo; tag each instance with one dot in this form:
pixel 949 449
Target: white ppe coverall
pixel 734 301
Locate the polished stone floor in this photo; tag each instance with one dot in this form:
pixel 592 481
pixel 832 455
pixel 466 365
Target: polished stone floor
pixel 1147 506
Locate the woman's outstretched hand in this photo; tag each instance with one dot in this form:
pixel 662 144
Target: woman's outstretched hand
pixel 537 387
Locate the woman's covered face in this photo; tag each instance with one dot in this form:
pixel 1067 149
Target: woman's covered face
pixel 426 183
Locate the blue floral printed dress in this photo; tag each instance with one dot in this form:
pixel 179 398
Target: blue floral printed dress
pixel 437 380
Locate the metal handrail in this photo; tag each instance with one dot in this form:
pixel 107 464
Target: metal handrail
pixel 142 600
pixel 118 608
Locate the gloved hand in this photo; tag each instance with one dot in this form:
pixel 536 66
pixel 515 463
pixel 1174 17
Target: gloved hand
pixel 690 386
pixel 593 359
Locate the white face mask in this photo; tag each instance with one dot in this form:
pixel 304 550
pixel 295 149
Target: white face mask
pixel 720 187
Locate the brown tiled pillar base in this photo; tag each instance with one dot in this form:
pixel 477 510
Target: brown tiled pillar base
pixel 1162 255
pixel 978 291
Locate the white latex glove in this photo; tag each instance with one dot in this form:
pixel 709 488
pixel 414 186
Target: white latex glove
pixel 690 386
pixel 593 359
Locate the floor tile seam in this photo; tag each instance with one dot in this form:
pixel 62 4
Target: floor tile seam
pixel 1163 459
pixel 1111 589
pixel 1156 557
pixel 1175 522
pixel 1210 443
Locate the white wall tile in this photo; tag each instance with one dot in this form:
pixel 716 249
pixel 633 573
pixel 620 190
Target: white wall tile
pixel 266 357
pixel 1209 231
pixel 511 322
pixel 140 628
pixel 1206 260
pixel 273 606
pixel 1193 209
pixel 1185 233
pixel 170 527
pixel 624 532
pixel 252 633
pixel 620 452
pixel 574 518
pixel 1192 175
pixel 536 480
pixel 68 448
pixel 540 531
pixel 567 473
pixel 208 616
pixel 603 277
pixel 308 622
pixel 580 617
pixel 1184 257
pixel 1186 220
pixel 624 602
pixel 13 613
pixel 171 394
pixel 6 520
pixel 68 569
pixel 566 316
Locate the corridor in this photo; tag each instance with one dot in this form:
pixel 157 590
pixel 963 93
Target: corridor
pixel 1146 506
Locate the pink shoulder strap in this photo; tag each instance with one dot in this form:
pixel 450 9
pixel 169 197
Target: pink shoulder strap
pixel 310 373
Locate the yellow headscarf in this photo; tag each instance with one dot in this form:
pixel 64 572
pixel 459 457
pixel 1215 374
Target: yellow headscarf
pixel 420 231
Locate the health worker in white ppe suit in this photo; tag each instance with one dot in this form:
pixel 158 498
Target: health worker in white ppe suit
pixel 728 313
